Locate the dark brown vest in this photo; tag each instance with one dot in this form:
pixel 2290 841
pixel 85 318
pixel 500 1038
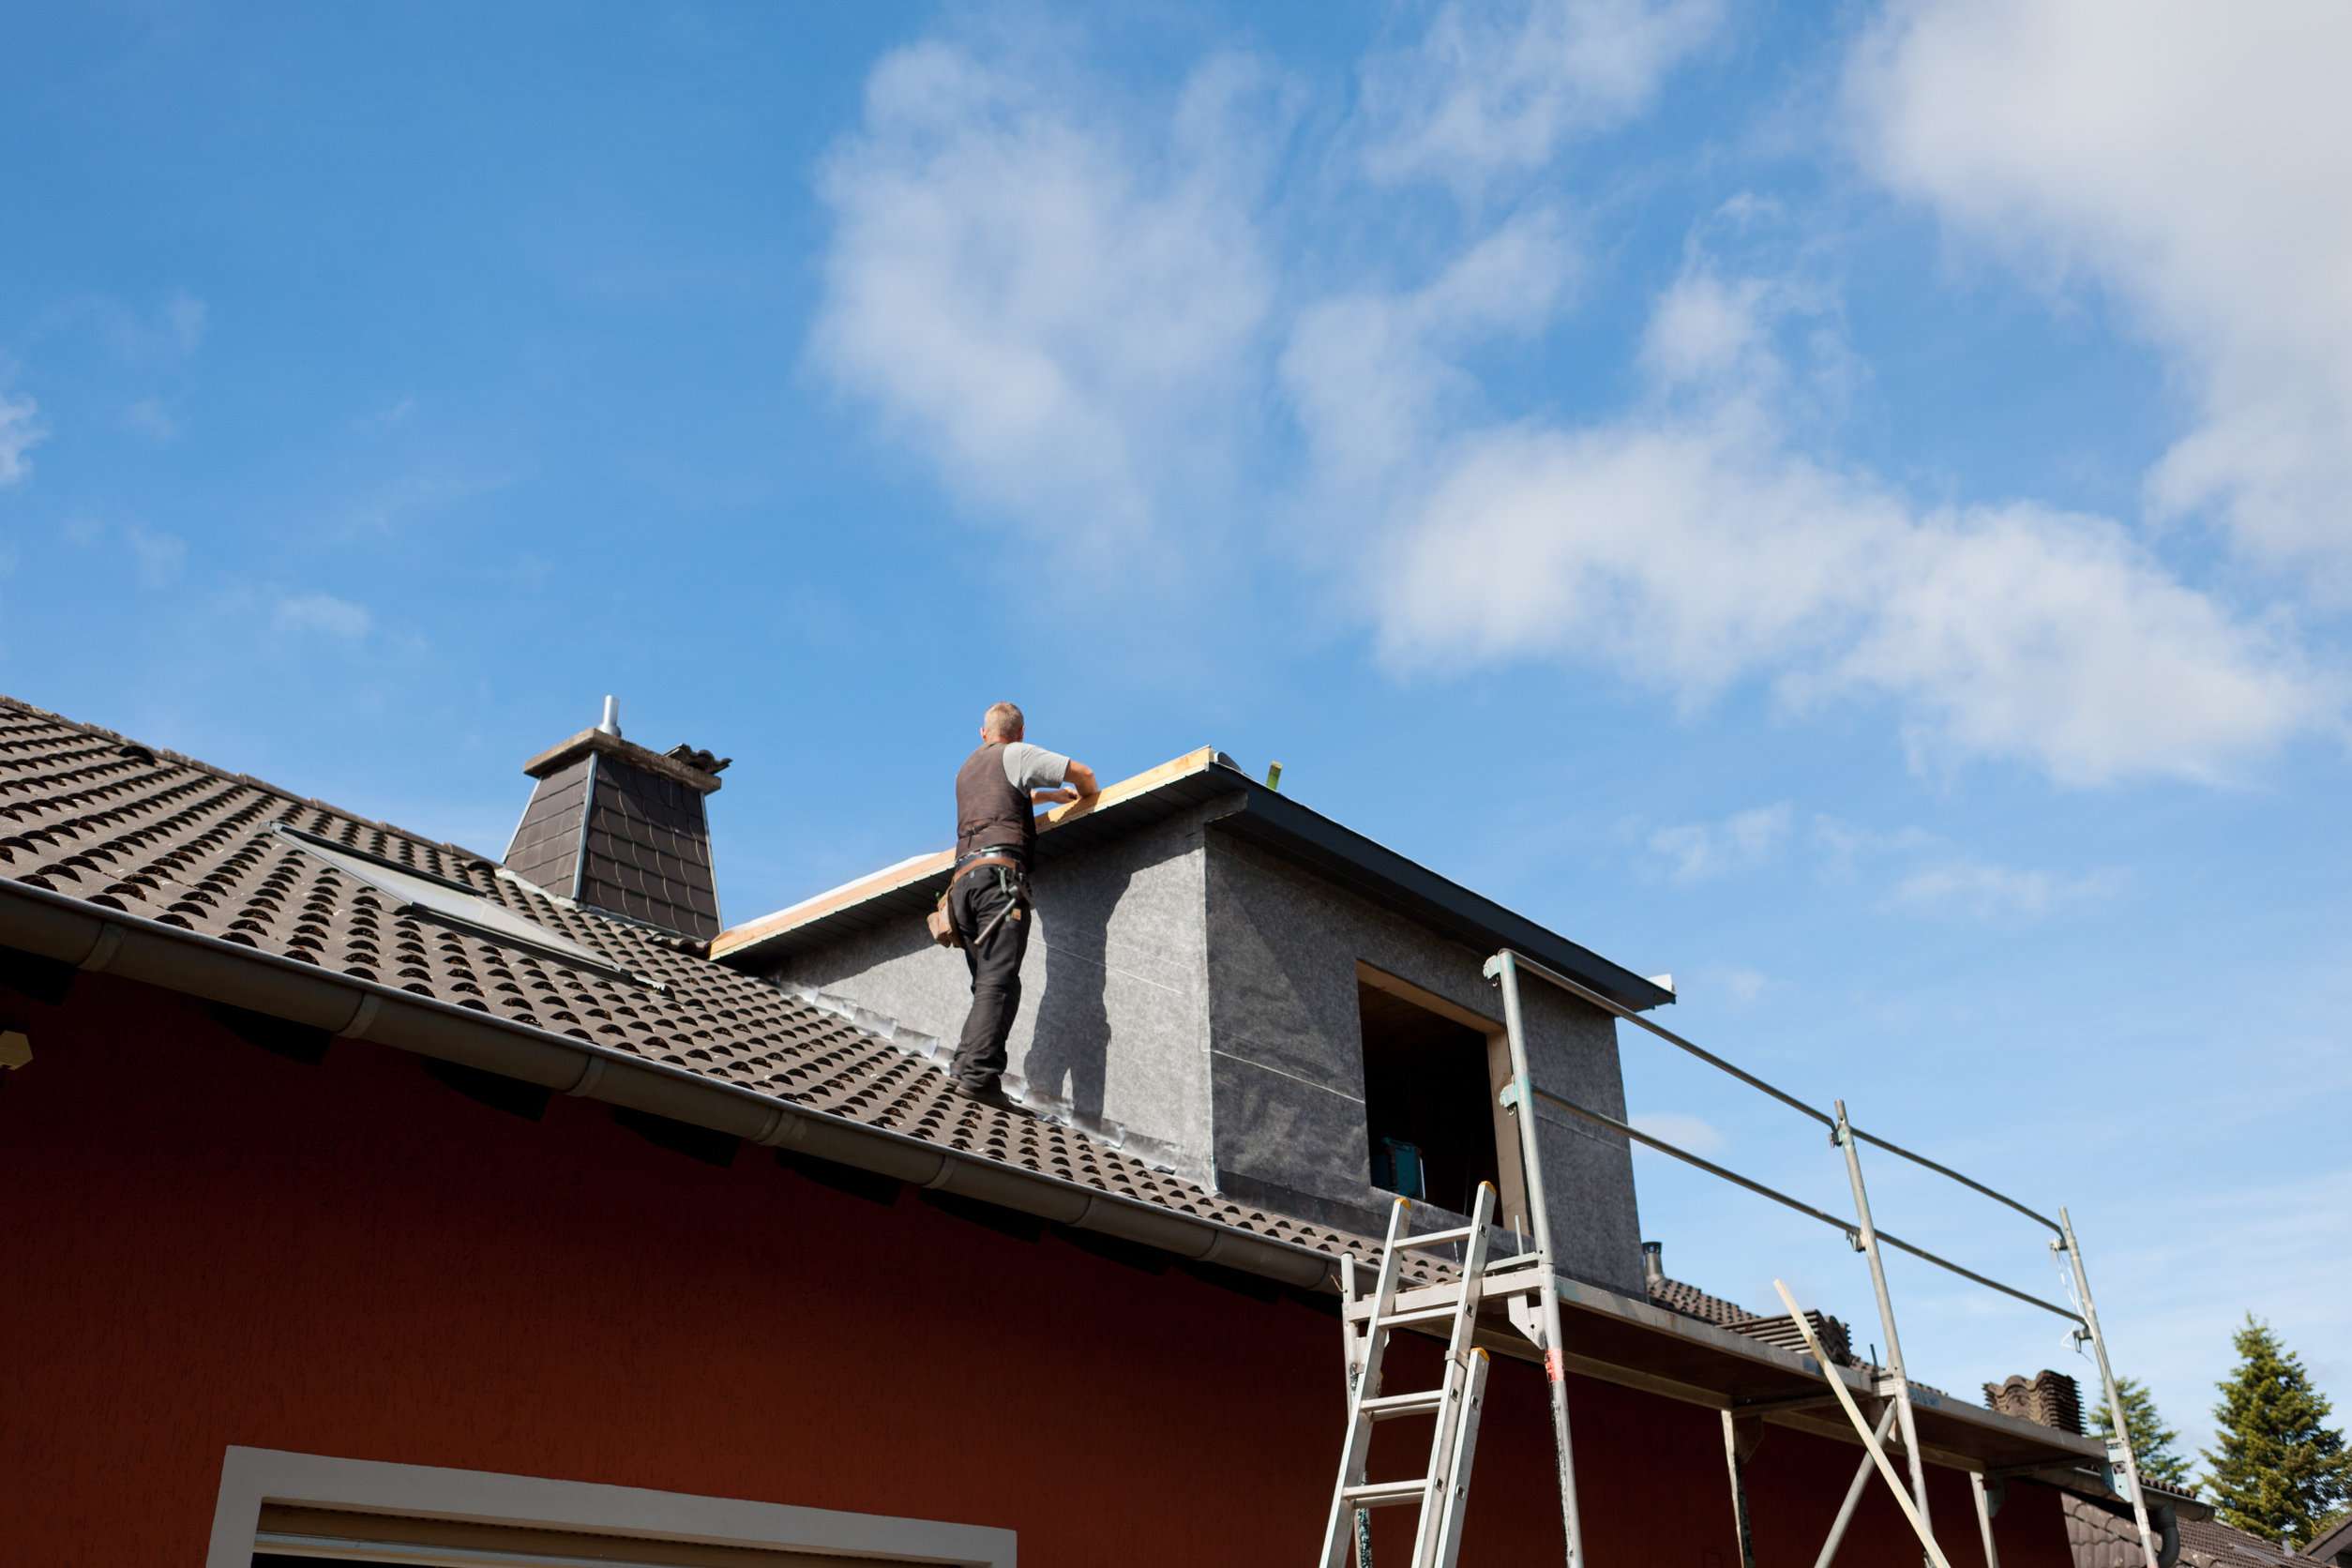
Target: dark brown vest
pixel 989 810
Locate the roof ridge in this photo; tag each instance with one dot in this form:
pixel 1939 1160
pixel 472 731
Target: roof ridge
pixel 167 754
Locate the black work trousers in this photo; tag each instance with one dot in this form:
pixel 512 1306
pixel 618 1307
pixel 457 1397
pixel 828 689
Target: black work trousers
pixel 995 960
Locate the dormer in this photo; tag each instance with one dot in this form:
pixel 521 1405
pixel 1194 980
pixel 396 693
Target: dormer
pixel 1242 990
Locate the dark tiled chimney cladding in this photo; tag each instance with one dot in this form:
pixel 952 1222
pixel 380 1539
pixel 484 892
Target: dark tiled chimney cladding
pixel 623 829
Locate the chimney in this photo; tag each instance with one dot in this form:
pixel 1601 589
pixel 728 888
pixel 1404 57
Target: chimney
pixel 620 828
pixel 1652 1261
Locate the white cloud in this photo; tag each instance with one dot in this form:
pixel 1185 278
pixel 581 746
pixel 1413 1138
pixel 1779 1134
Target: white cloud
pixel 185 318
pixel 1693 1133
pixel 398 503
pixel 1704 328
pixel 157 558
pixel 323 613
pixel 1693 545
pixel 1742 983
pixel 1739 842
pixel 391 416
pixel 1073 305
pixel 1495 88
pixel 150 418
pixel 1990 892
pixel 1842 843
pixel 2193 159
pixel 1058 304
pixel 163 337
pixel 1370 373
pixel 21 431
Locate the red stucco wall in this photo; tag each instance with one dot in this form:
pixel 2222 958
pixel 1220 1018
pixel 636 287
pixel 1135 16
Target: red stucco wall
pixel 207 1244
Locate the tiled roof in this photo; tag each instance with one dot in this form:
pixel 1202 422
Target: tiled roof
pixel 2101 1535
pixel 89 815
pixel 1692 1302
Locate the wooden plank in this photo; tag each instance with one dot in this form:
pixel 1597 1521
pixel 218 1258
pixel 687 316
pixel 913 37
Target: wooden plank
pixel 871 885
pixel 1127 789
pixel 1428 1001
pixel 917 869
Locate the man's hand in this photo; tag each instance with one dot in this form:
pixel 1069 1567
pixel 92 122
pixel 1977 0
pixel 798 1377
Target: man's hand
pixel 1053 797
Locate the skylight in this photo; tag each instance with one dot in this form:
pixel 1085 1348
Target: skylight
pixel 454 904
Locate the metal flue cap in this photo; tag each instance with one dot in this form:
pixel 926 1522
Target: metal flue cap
pixel 1653 1262
pixel 611 724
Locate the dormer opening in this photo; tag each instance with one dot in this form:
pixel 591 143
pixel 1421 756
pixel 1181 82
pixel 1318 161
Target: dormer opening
pixel 1432 1074
pixel 1258 999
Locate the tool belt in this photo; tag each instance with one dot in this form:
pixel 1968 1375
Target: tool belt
pixel 942 924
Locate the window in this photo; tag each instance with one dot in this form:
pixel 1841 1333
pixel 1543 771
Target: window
pixel 279 1510
pixel 1431 1074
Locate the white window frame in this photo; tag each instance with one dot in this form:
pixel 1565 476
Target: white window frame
pixel 251 1476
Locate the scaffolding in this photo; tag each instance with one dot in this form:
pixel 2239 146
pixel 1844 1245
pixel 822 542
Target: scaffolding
pixel 1751 1382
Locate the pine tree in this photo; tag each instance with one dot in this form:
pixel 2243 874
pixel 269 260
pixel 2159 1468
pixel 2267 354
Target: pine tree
pixel 2151 1439
pixel 2282 1470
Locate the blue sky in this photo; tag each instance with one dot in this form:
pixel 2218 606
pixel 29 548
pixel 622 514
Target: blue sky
pixel 1842 504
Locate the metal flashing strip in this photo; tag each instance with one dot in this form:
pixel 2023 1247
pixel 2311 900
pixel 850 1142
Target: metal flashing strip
pixel 1055 1108
pixel 587 809
pixel 460 908
pixel 347 852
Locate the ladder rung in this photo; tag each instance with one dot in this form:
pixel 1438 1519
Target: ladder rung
pixel 1421 1315
pixel 1388 1404
pixel 1437 1238
pixel 1381 1494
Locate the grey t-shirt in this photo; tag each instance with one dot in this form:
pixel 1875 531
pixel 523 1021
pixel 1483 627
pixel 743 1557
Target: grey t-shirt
pixel 1032 768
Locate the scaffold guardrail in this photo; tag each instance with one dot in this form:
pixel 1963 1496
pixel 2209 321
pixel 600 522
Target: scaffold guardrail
pixel 1894 1388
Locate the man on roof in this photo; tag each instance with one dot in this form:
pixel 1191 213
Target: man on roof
pixel 998 792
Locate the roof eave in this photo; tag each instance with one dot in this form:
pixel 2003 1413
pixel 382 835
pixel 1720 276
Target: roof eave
pixel 92 938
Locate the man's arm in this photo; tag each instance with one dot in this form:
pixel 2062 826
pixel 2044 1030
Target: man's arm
pixel 1079 781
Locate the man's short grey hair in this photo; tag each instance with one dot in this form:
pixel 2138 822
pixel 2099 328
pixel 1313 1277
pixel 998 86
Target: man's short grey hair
pixel 1002 721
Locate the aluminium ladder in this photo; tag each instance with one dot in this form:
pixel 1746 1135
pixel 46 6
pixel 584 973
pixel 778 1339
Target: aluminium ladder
pixel 1441 1492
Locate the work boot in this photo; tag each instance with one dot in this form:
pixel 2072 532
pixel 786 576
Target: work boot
pixel 993 1095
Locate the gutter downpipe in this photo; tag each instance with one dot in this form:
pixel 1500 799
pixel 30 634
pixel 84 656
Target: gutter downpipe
pixel 96 939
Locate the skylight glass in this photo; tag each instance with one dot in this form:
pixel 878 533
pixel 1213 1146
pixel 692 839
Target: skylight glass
pixel 454 904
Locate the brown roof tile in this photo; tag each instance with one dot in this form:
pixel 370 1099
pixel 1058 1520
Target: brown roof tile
pixel 89 815
pixel 2101 1535
pixel 1692 1302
